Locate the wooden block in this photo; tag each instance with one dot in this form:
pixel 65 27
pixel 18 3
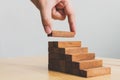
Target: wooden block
pixel 50 44
pixel 63 44
pixel 85 64
pixel 68 50
pixel 53 50
pixel 61 34
pixel 53 62
pixel 76 71
pixel 57 65
pixel 78 57
pixel 82 50
pixel 57 56
pixel 62 65
pixel 95 72
pixel 72 57
pixel 53 67
pixel 69 67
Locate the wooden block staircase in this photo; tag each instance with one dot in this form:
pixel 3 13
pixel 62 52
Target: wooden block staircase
pixel 69 57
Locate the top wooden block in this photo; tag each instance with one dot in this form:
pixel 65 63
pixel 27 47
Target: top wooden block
pixel 63 44
pixel 61 34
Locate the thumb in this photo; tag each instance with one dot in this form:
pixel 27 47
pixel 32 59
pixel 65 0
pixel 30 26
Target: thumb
pixel 45 14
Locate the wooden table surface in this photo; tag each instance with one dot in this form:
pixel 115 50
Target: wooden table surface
pixel 36 68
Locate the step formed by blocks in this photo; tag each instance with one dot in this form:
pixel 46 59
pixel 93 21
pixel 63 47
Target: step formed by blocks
pixel 72 57
pixel 69 57
pixel 95 71
pixel 63 44
pixel 61 34
pixel 87 64
pixel 78 57
pixel 68 50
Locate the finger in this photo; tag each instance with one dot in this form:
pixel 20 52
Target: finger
pixel 60 5
pixel 45 14
pixel 58 14
pixel 46 20
pixel 71 17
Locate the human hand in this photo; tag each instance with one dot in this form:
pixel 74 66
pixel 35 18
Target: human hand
pixel 55 9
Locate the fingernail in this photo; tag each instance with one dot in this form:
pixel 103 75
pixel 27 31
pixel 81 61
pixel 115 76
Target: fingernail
pixel 47 29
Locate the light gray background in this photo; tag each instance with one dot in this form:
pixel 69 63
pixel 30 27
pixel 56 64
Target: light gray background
pixel 22 34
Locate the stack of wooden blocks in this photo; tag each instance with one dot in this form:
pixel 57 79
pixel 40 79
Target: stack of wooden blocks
pixel 70 57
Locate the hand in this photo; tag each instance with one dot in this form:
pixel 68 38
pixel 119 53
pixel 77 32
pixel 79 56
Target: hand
pixel 55 9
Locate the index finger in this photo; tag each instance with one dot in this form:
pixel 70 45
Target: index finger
pixel 71 17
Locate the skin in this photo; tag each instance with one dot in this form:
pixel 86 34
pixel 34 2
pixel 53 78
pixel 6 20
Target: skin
pixel 55 9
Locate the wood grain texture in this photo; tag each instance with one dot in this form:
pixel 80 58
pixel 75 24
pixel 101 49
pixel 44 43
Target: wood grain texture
pixel 82 50
pixel 87 64
pixel 57 65
pixel 53 67
pixel 62 66
pixel 54 62
pixel 61 34
pixel 68 50
pixel 63 44
pixel 77 57
pixel 70 57
pixel 95 72
pixel 57 56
